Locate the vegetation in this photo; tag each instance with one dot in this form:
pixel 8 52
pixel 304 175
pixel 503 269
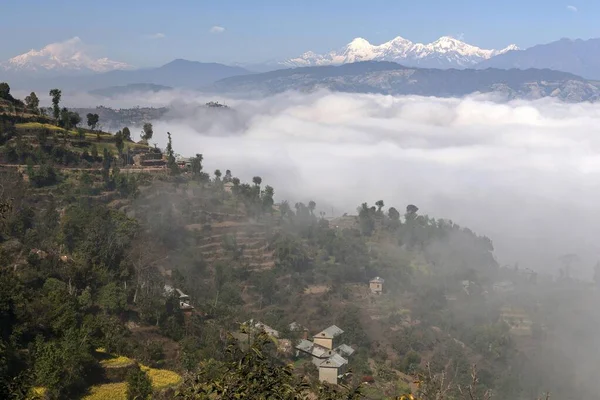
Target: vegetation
pixel 88 245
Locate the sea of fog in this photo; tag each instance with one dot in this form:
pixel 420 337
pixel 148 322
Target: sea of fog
pixel 524 173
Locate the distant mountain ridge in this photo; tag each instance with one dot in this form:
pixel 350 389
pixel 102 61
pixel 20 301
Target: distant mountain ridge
pixel 394 79
pixel 177 73
pixel 59 58
pixel 446 52
pixel 581 57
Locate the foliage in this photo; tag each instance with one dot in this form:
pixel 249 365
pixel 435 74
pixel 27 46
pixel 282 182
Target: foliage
pixel 56 95
pixel 92 120
pixel 147 131
pixel 252 374
pixel 139 386
pixel 32 103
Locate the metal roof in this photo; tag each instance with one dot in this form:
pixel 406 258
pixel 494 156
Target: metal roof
pixel 377 280
pixel 305 345
pixel 330 332
pixel 344 350
pixel 335 361
pixel 259 325
pixel 313 349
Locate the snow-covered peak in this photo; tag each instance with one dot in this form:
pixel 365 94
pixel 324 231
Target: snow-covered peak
pixel 512 47
pixel 359 44
pixel 446 52
pixel 70 55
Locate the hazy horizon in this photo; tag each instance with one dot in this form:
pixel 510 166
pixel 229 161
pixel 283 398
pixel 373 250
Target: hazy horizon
pixel 511 171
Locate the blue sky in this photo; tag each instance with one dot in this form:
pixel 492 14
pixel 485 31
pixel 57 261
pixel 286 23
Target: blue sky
pixel 149 32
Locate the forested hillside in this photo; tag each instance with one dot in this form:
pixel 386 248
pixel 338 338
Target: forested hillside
pixel 126 273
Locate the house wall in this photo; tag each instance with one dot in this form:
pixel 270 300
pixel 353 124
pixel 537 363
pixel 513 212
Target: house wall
pixel 376 287
pixel 325 342
pixel 328 375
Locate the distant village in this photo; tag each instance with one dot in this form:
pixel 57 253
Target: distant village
pixel 325 349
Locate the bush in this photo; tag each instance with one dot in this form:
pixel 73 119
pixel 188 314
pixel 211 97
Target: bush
pixel 45 175
pixel 138 385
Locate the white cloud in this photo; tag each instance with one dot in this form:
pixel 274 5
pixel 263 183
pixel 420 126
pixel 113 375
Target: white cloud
pixel 157 35
pixel 572 8
pixel 216 29
pixel 525 173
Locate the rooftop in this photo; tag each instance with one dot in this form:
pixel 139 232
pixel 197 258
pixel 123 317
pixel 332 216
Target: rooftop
pixel 259 325
pixel 313 349
pixel 376 280
pixel 330 333
pixel 344 350
pixel 335 361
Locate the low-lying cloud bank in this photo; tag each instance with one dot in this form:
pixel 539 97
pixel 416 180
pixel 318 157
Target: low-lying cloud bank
pixel 524 173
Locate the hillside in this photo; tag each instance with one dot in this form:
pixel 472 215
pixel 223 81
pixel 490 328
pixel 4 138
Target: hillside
pixel 395 79
pixel 109 261
pixel 116 91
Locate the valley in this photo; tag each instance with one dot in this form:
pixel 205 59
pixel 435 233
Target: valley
pixel 91 238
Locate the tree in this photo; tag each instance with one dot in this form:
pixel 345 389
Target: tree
pixel 257 180
pixel 126 134
pixel 267 198
pixel 112 299
pixel 171 162
pixel 311 207
pixel 411 212
pixel 379 205
pixel 119 142
pixel 139 386
pixel 33 103
pixel 92 120
pixel 56 95
pixel 366 219
pixel 218 175
pixel 74 119
pixel 5 91
pixel 227 177
pixel 147 131
pixel 393 214
pixel 196 165
pixel 65 120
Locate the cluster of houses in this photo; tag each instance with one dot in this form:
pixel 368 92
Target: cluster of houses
pixel 327 354
pixel 324 350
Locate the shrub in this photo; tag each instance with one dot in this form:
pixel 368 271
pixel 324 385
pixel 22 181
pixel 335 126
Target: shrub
pixel 138 385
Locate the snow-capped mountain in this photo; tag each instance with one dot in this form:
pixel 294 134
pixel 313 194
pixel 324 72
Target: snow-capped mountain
pixel 446 52
pixel 68 56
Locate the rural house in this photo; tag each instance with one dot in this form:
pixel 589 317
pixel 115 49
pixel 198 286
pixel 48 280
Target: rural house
pixel 184 299
pixel 376 285
pixel 333 369
pixel 318 353
pixel 257 325
pixel 326 337
pixel 330 361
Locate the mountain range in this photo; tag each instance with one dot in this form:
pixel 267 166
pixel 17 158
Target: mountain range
pixel 70 56
pixel 69 65
pixel 446 52
pixel 394 79
pixel 581 57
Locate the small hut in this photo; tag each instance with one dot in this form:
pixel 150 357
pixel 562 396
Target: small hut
pixel 376 285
